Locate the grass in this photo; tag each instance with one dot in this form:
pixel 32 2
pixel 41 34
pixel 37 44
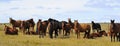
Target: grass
pixel 34 40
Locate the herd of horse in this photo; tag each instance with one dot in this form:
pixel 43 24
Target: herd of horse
pixel 55 27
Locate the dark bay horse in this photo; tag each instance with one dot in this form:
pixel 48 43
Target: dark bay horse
pixel 10 31
pixel 96 26
pixel 15 23
pixel 41 27
pixel 66 28
pixel 82 28
pixel 27 25
pixel 114 30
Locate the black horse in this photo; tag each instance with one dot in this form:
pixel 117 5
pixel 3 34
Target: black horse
pixel 53 27
pixel 96 26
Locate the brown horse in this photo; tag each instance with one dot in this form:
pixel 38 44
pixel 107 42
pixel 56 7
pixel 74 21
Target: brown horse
pixel 98 34
pixel 41 28
pixel 15 23
pixel 82 28
pixel 66 27
pixel 27 25
pixel 10 31
pixel 114 30
pixel 71 24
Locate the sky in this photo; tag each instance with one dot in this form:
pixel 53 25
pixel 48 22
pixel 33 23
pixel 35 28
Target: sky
pixel 81 10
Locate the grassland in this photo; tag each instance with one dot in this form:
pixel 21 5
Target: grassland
pixel 34 40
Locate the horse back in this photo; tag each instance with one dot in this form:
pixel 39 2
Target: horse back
pixel 85 26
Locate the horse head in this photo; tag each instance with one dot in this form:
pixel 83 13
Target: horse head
pixel 112 26
pixel 12 20
pixel 92 22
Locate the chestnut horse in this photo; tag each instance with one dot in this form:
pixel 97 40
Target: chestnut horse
pixel 82 28
pixel 98 34
pixel 114 30
pixel 15 23
pixel 10 31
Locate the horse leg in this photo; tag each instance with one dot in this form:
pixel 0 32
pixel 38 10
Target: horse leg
pixel 118 37
pixel 56 33
pixel 114 37
pixel 85 34
pixel 23 31
pixel 39 34
pixel 88 33
pixel 78 33
pixel 43 33
pixel 111 36
pixel 51 34
pixel 63 32
pixel 29 31
pixel 66 32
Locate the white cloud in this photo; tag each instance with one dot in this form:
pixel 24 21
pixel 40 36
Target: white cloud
pixel 48 8
pixel 37 9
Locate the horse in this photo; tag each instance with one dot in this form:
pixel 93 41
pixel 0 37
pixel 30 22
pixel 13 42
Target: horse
pixel 98 34
pixel 71 25
pixel 53 27
pixel 82 28
pixel 114 30
pixel 10 31
pixel 96 26
pixel 26 25
pixel 66 27
pixel 41 27
pixel 15 23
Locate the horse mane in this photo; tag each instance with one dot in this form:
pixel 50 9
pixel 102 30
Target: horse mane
pixel 31 21
pixel 76 24
pixel 12 20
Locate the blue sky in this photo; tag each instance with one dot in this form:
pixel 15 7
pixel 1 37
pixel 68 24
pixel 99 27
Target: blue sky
pixel 82 10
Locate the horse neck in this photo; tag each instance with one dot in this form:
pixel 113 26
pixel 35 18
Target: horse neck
pixel 93 23
pixel 76 25
pixel 13 21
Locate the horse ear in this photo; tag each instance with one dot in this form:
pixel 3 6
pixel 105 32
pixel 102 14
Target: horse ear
pixel 110 20
pixel 77 20
pixel 92 21
pixel 10 18
pixel 74 20
pixel 113 20
pixel 39 19
pixel 69 18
